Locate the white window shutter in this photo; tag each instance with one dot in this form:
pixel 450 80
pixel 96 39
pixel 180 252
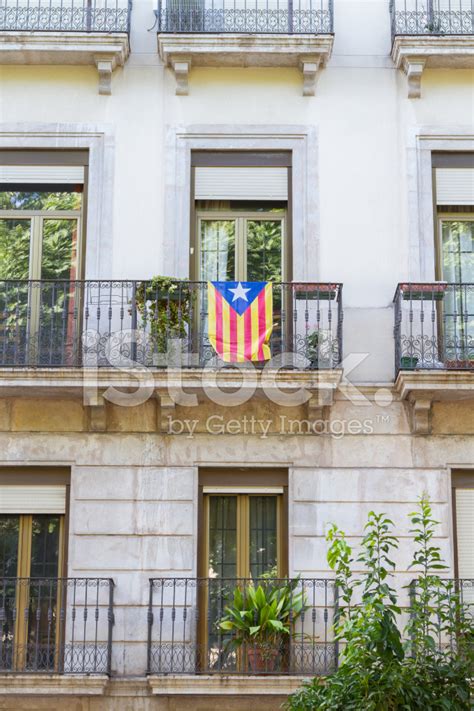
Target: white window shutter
pixel 465 532
pixel 455 186
pixel 32 499
pixel 241 183
pixel 70 174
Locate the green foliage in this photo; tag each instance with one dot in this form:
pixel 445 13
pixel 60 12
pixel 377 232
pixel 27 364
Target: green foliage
pixel 262 615
pixel 378 670
pixel 164 304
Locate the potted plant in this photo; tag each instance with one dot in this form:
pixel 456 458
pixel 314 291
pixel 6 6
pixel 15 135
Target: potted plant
pixel 424 292
pixel 163 304
pixel 260 620
pixel 408 362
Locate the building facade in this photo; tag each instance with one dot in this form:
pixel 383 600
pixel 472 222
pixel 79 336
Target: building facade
pixel 324 147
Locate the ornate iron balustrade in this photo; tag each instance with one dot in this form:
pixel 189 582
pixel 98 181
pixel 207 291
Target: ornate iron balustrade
pixel 449 599
pixel 432 17
pixel 261 16
pixel 434 326
pixel 104 16
pixel 184 636
pixel 137 323
pixel 56 625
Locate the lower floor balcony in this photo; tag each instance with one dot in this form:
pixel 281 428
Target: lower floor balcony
pixel 233 626
pixel 169 323
pixel 56 625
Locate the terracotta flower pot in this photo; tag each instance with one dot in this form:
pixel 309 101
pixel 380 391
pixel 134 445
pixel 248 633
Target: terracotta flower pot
pixel 262 660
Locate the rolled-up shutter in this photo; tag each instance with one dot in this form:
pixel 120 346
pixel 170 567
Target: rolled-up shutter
pixel 455 186
pixel 241 183
pixel 32 499
pixel 465 532
pixel 48 174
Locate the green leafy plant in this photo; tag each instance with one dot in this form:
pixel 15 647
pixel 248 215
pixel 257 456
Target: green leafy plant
pixel 427 667
pixel 262 617
pixel 164 305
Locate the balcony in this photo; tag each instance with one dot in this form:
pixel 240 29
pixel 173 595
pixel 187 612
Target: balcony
pixel 434 345
pixel 94 32
pixel 56 625
pixel 185 635
pixel 104 324
pixel 431 35
pixel 222 33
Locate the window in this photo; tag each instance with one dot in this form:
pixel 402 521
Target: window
pixel 32 560
pixel 463 505
pixel 41 221
pixel 454 192
pixel 243 534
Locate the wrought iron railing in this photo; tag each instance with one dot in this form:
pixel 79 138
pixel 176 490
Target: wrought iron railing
pixel 105 16
pixel 185 637
pixel 432 17
pixel 139 323
pixel 434 326
pixel 56 625
pixel 448 599
pixel 259 16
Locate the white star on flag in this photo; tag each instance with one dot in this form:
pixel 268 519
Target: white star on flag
pixel 239 292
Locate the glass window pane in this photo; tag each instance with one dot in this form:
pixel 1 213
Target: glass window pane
pixel 458 305
pixel 264 250
pixel 9 536
pixel 222 536
pixel 40 200
pixel 45 546
pixel 59 253
pixel 9 533
pixel 15 237
pixel 217 250
pixel 263 536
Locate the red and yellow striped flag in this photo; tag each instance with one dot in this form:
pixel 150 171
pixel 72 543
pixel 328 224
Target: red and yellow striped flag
pixel 240 319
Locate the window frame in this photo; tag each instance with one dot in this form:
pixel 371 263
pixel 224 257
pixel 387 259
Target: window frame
pixel 460 479
pixel 241 219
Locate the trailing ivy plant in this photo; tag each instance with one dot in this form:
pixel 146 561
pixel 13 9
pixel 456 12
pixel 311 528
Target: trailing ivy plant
pixel 164 306
pixel 429 666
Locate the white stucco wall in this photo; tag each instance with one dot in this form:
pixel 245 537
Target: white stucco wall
pixel 364 124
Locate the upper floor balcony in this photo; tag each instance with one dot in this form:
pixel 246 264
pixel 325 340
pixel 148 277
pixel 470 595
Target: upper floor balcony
pixel 78 32
pixel 279 33
pixel 432 34
pixel 67 335
pixel 434 345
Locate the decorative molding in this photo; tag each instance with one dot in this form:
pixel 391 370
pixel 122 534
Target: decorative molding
pixel 413 68
pixel 98 414
pixel 310 75
pixel 105 67
pixel 216 684
pixel 99 140
pixel 413 54
pixel 308 52
pixel 106 52
pixel 181 67
pixel 52 684
pixel 167 407
pixel 421 142
pixel 302 141
pixel 420 415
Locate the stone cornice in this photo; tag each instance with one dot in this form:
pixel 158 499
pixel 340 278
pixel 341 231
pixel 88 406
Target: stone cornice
pixel 48 684
pixel 307 52
pixel 232 685
pixel 414 54
pixel 103 51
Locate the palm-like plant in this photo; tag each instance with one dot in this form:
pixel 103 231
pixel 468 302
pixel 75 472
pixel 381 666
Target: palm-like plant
pixel 261 617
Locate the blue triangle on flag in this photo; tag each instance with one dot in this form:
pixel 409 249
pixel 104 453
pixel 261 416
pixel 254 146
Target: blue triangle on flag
pixel 239 294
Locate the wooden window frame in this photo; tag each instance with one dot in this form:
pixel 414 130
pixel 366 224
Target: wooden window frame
pixel 460 479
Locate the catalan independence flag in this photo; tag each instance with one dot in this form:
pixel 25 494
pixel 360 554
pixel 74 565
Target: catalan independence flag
pixel 240 319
